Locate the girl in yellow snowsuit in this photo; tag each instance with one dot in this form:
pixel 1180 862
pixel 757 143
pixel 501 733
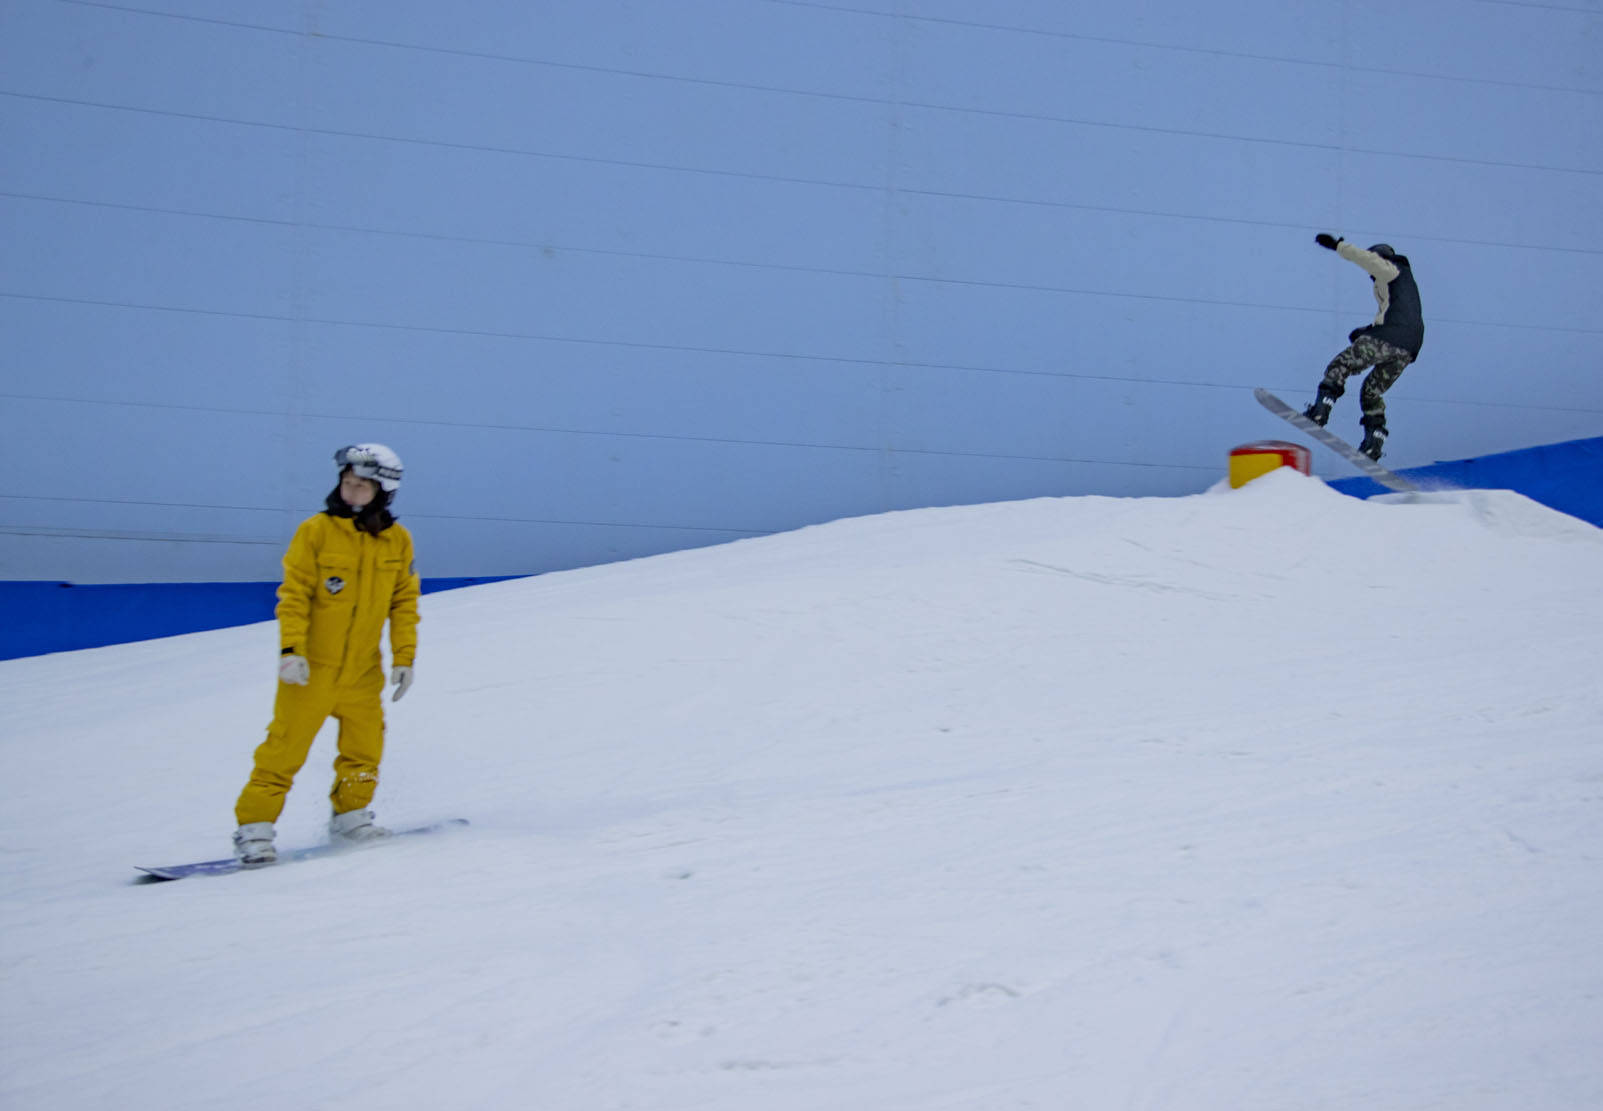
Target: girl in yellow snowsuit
pixel 347 571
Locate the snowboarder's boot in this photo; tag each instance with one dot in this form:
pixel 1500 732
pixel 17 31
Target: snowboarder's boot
pixel 1319 411
pixel 253 845
pixel 354 827
pixel 1374 442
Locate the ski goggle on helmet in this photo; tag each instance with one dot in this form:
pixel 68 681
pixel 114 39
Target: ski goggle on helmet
pixel 374 461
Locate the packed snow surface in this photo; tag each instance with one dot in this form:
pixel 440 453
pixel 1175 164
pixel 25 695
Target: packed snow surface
pixel 1257 799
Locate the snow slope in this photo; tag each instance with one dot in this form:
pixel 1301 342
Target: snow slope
pixel 1256 799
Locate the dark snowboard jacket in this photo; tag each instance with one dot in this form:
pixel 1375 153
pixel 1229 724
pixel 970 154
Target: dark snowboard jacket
pixel 1400 321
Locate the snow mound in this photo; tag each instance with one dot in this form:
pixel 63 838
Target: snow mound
pixel 1257 799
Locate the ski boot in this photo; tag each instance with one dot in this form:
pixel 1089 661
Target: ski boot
pixel 253 845
pixel 354 827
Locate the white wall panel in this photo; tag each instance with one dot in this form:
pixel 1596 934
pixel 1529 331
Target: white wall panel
pixel 622 276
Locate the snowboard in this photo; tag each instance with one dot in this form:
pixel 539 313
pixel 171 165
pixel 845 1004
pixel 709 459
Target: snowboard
pixel 230 864
pixel 1335 443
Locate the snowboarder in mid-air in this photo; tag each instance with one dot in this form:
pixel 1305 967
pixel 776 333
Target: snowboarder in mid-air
pixel 347 571
pixel 1389 344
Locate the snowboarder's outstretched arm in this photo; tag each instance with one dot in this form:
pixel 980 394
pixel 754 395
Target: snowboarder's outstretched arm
pixel 1377 267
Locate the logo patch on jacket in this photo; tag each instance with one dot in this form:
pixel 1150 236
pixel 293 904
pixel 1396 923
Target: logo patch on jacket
pixel 334 583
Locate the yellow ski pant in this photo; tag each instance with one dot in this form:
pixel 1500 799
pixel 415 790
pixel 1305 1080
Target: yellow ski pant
pixel 298 715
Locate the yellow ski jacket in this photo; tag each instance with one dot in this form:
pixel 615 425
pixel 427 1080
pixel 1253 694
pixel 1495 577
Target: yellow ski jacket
pixel 340 585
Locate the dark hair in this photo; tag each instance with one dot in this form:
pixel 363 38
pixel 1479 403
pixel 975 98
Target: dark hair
pixel 373 518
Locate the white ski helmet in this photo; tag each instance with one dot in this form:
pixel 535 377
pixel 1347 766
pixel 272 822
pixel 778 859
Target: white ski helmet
pixel 374 461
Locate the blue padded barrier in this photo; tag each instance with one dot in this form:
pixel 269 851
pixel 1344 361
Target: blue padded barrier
pixel 40 617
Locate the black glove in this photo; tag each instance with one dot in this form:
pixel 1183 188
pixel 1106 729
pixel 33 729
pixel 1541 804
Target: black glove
pixel 1327 241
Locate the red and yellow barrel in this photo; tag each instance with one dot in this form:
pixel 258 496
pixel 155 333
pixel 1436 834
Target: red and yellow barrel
pixel 1250 461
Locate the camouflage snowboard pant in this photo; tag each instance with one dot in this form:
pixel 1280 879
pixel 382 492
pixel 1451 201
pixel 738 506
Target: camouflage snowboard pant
pixel 1389 362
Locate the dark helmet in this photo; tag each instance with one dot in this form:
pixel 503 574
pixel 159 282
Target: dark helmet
pixel 1384 250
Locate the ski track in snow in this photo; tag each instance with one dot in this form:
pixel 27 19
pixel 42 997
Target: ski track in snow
pixel 1258 799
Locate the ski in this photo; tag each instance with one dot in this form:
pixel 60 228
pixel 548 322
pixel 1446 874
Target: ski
pixel 230 864
pixel 1335 443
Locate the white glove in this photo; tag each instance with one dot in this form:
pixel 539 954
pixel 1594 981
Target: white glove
pixel 294 669
pixel 402 678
